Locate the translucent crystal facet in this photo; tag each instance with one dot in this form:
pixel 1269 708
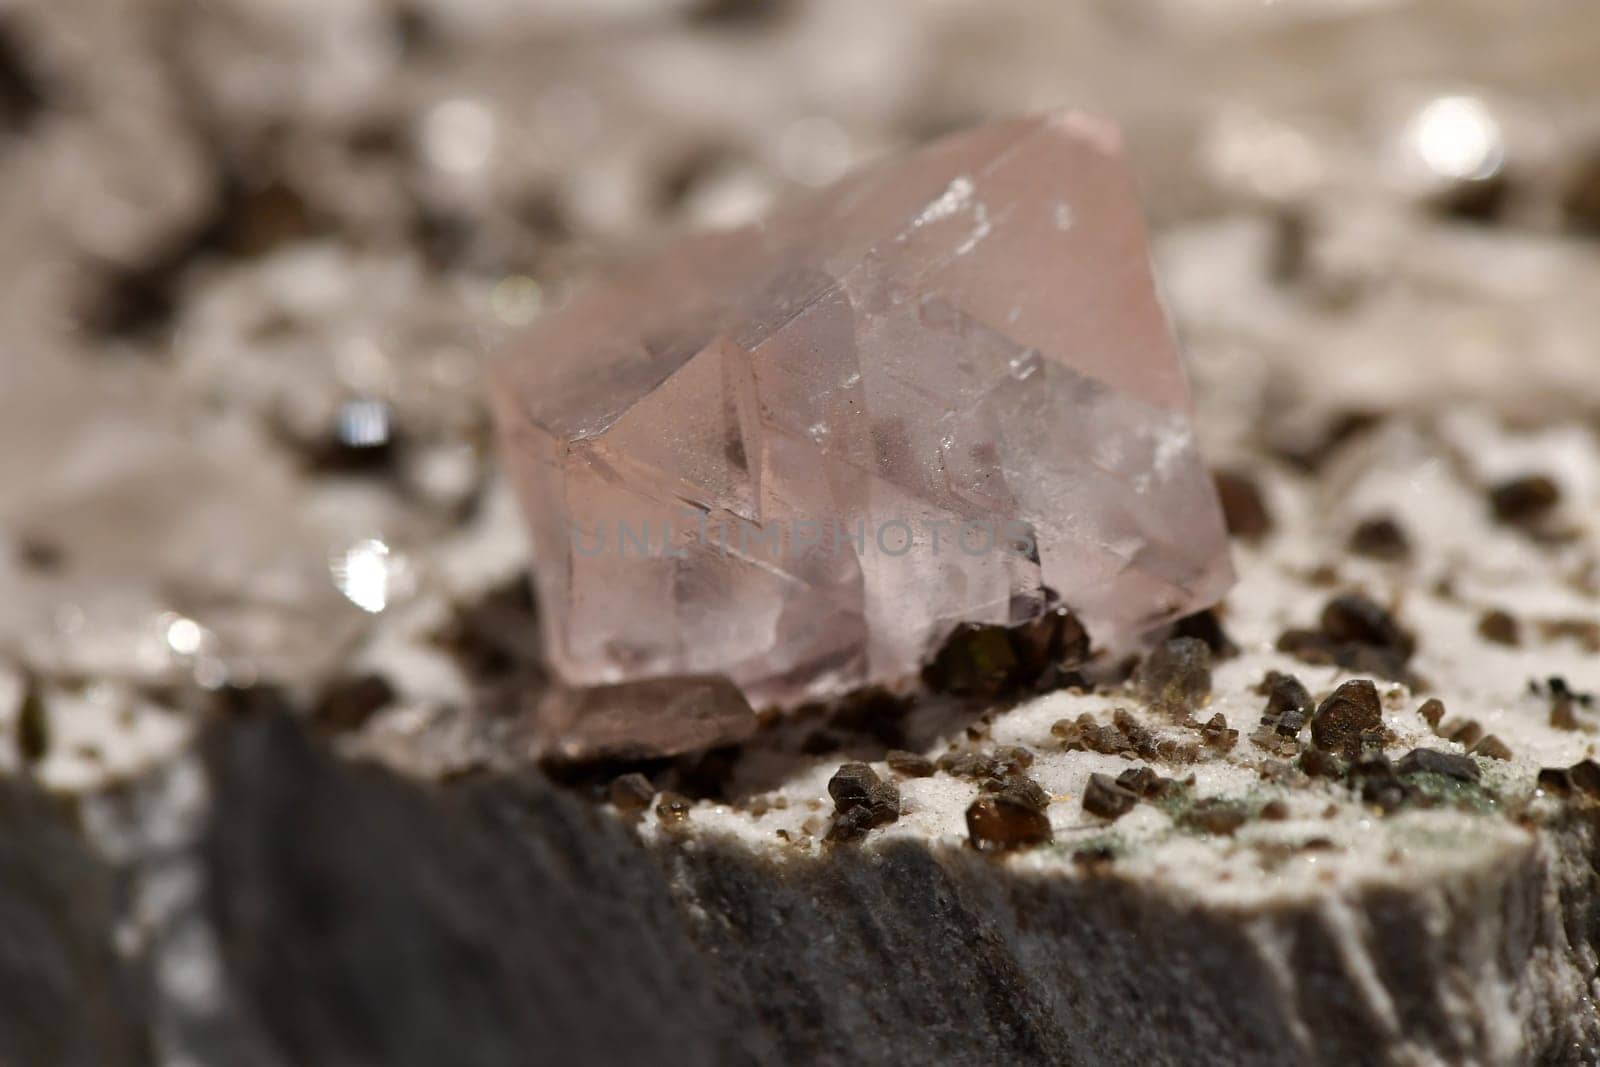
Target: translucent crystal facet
pixel 919 397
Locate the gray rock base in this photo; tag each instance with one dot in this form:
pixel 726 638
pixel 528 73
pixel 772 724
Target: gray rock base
pixel 269 903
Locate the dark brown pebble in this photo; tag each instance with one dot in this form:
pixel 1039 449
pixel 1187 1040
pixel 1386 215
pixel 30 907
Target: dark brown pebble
pixel 1274 770
pixel 1214 815
pixel 1340 721
pixel 1557 780
pixel 1359 620
pixel 975 660
pixel 1559 689
pixel 1275 811
pixel 1379 782
pixel 1586 776
pixel 995 823
pixel 1019 789
pixel 40 555
pixel 1105 798
pixel 852 785
pixel 1580 198
pixel 1048 646
pixel 1218 735
pixel 33 725
pixel 1206 626
pixel 1500 627
pixel 966 764
pixel 1432 761
pixel 1380 538
pixel 997 763
pixel 857 786
pixel 496 636
pixel 1097 856
pixel 347 704
pixel 910 764
pixel 1356 634
pixel 1564 715
pixel 1491 747
pixel 1141 781
pixel 1011 759
pixel 1465 733
pixel 1524 500
pixel 630 792
pixel 1289 704
pixel 1176 675
pixel 849 826
pixel 1432 711
pixel 1585 632
pixel 1243 508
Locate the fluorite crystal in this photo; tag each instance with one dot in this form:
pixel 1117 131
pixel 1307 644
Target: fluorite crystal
pixel 798 454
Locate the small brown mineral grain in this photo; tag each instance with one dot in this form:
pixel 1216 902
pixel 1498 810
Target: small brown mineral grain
pixel 1106 798
pixel 347 704
pixel 673 810
pixel 1358 620
pixel 1340 720
pixel 1432 761
pixel 1289 705
pixel 1500 627
pixel 1243 507
pixel 1379 782
pixel 857 787
pixel 997 763
pixel 1218 735
pixel 1215 815
pixel 975 660
pixel 1049 646
pixel 1380 538
pixel 910 764
pixel 1207 626
pixel 1142 781
pixel 1432 711
pixel 1355 633
pixel 1491 747
pixel 1176 675
pixel 630 793
pixel 849 826
pixel 1555 780
pixel 997 823
pixel 1524 501
pixel 1584 632
pixel 1466 732
pixel 1019 789
pixel 1585 776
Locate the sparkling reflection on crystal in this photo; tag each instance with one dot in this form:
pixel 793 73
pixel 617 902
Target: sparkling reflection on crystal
pixel 365 573
pixel 363 424
pixel 1458 138
pixel 184 636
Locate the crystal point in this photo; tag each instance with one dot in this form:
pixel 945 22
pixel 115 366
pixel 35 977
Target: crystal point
pixel 798 454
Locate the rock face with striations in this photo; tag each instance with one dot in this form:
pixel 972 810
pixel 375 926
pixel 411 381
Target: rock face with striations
pixel 296 907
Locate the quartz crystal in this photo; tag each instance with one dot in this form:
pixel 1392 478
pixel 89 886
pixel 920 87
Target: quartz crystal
pixel 798 454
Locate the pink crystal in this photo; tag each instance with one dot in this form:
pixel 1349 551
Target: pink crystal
pixel 968 334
